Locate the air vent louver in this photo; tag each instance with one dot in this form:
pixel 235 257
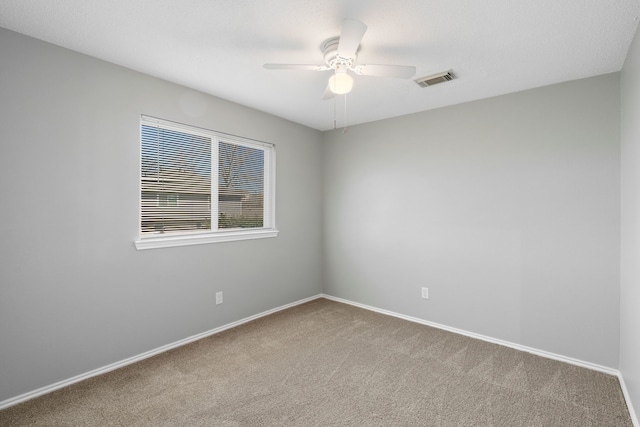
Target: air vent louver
pixel 434 79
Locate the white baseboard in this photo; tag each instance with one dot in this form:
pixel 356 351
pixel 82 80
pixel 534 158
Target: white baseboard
pixel 64 383
pixel 520 347
pixel 627 398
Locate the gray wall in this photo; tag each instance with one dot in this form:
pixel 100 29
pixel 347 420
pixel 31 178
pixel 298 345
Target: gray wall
pixel 507 209
pixel 74 293
pixel 630 271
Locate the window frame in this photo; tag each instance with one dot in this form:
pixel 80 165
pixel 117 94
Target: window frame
pixel 197 237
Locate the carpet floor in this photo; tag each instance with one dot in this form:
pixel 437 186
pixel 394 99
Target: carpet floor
pixel 324 363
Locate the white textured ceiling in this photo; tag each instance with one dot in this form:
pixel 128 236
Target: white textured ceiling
pixel 219 46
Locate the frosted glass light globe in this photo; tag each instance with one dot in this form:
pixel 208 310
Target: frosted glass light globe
pixel 340 83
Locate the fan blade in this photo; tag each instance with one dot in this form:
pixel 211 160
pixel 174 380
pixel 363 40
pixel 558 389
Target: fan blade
pixel 350 37
pixel 296 67
pixel 397 71
pixel 328 94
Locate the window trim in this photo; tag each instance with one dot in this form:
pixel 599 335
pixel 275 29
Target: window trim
pixel 216 236
pixel 197 238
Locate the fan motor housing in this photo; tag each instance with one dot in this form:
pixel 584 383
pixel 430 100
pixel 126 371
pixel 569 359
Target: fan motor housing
pixel 330 51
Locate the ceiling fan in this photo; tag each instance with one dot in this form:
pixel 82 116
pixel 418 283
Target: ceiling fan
pixel 340 54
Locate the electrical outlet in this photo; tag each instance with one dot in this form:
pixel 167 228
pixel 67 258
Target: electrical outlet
pixel 218 297
pixel 425 293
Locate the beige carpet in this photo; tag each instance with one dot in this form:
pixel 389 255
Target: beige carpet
pixel 329 364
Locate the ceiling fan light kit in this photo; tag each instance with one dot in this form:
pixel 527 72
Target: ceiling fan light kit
pixel 340 83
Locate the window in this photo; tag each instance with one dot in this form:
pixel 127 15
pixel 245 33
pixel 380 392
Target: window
pixel 202 186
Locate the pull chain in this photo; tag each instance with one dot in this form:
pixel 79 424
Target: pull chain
pixel 334 113
pixel 345 130
pixel 335 121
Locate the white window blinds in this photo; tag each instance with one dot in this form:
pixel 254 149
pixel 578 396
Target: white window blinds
pixel 201 181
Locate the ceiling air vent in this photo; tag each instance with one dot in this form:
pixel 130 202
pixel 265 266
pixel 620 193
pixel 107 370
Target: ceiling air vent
pixel 434 79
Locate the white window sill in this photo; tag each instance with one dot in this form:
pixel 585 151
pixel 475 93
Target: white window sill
pixel 203 238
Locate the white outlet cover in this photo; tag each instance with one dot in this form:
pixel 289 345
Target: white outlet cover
pixel 425 293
